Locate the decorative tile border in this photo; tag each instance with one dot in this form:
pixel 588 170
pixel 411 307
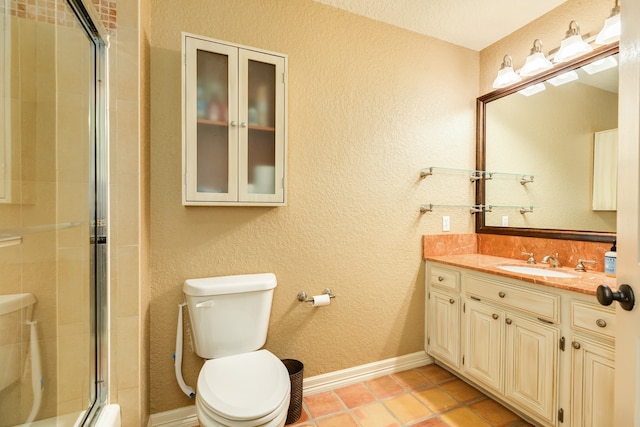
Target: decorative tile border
pixel 56 12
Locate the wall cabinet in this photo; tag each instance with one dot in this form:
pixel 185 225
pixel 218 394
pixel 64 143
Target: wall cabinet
pixel 547 353
pixel 234 124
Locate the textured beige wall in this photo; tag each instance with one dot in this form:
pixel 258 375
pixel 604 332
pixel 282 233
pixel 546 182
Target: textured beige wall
pixel 550 28
pixel 369 106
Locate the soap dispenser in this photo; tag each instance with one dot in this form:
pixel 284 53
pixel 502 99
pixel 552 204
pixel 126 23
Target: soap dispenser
pixel 610 261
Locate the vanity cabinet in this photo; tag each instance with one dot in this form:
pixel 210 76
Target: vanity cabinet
pixel 592 365
pixel 443 320
pixel 234 124
pixel 511 346
pixel 545 352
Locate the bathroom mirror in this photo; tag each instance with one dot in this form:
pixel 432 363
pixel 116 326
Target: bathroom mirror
pixel 537 151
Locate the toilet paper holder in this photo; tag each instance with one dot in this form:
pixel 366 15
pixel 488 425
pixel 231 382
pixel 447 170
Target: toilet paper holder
pixel 302 296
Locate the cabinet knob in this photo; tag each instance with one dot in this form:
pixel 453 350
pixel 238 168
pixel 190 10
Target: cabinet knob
pixel 575 345
pixel 233 123
pixel 440 278
pixel 495 316
pixel 508 321
pixel 601 322
pixel 502 294
pixel 451 300
pixel 243 125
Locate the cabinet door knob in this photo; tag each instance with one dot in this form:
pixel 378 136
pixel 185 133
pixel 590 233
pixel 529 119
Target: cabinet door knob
pixel 502 294
pixel 451 300
pixel 243 125
pixel 440 278
pixel 234 123
pixel 575 345
pixel 495 316
pixel 601 322
pixel 508 321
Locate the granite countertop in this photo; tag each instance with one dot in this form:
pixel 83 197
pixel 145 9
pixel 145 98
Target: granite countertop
pixel 584 282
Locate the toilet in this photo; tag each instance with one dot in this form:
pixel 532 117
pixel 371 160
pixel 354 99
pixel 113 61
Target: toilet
pixel 240 384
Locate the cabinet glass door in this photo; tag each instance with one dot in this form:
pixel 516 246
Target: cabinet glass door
pixel 262 123
pixel 211 105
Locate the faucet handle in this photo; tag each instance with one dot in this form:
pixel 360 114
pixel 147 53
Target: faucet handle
pixel 582 262
pixel 531 259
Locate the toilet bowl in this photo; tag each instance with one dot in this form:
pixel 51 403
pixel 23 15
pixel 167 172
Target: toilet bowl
pixel 240 384
pixel 248 390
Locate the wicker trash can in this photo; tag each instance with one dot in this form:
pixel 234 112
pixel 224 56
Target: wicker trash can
pixel 295 368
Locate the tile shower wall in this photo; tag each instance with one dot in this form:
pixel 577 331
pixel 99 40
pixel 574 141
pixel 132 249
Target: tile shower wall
pixel 126 23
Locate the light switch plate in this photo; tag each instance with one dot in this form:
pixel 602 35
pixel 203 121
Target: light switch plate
pixel 505 221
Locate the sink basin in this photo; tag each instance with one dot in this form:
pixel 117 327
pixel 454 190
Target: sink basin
pixel 535 271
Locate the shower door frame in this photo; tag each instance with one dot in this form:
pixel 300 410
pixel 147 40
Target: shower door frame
pixel 99 349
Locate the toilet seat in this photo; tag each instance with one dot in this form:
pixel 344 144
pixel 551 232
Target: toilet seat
pixel 248 389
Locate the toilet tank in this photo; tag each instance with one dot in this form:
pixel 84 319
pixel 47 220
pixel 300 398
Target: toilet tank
pixel 229 314
pixel 15 311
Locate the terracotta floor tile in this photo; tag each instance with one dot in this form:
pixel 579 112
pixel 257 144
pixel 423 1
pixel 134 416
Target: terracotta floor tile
pixel 462 391
pixel 342 420
pixel 437 399
pixel 375 415
pixel 436 373
pixel 323 404
pixel 412 379
pixel 355 395
pixel 304 417
pixel 463 417
pixel 431 422
pixel 495 413
pixel 407 408
pixel 384 387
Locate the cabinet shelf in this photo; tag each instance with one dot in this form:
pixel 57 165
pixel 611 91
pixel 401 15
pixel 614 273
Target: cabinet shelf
pixel 225 124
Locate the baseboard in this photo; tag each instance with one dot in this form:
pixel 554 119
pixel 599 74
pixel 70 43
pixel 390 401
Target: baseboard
pixel 186 417
pixel 366 372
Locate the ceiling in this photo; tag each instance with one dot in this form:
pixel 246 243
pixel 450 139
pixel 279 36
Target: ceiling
pixel 474 24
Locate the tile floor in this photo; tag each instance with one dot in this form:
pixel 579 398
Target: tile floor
pixel 428 396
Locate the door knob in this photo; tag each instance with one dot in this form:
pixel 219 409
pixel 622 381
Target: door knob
pixel 624 296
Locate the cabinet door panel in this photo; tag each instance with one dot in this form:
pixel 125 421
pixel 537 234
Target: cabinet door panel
pixel 444 327
pixel 531 360
pixel 592 382
pixel 484 344
pixel 210 105
pixel 261 113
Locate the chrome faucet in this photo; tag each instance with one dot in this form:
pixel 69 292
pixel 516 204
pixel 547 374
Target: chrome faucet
pixel 552 260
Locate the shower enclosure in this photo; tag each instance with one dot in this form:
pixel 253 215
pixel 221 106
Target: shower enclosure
pixel 53 249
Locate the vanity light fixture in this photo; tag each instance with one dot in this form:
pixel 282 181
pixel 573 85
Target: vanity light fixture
pixel 573 45
pixel 531 90
pixel 611 30
pixel 600 65
pixel 567 77
pixel 506 75
pixel 536 62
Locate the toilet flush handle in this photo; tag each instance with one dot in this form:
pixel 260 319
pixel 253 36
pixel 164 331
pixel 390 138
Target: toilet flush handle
pixel 208 303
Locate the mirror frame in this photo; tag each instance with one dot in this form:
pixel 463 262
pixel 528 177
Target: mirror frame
pixel 481 227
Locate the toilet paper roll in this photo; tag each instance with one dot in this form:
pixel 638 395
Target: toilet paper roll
pixel 319 300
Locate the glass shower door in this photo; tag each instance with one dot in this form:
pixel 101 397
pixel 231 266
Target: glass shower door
pixel 51 257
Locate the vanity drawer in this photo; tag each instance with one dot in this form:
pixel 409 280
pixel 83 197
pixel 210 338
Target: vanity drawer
pixel 593 319
pixel 444 278
pixel 538 304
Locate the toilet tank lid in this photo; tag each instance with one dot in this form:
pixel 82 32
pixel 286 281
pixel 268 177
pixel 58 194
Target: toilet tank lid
pixel 229 284
pixel 15 302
